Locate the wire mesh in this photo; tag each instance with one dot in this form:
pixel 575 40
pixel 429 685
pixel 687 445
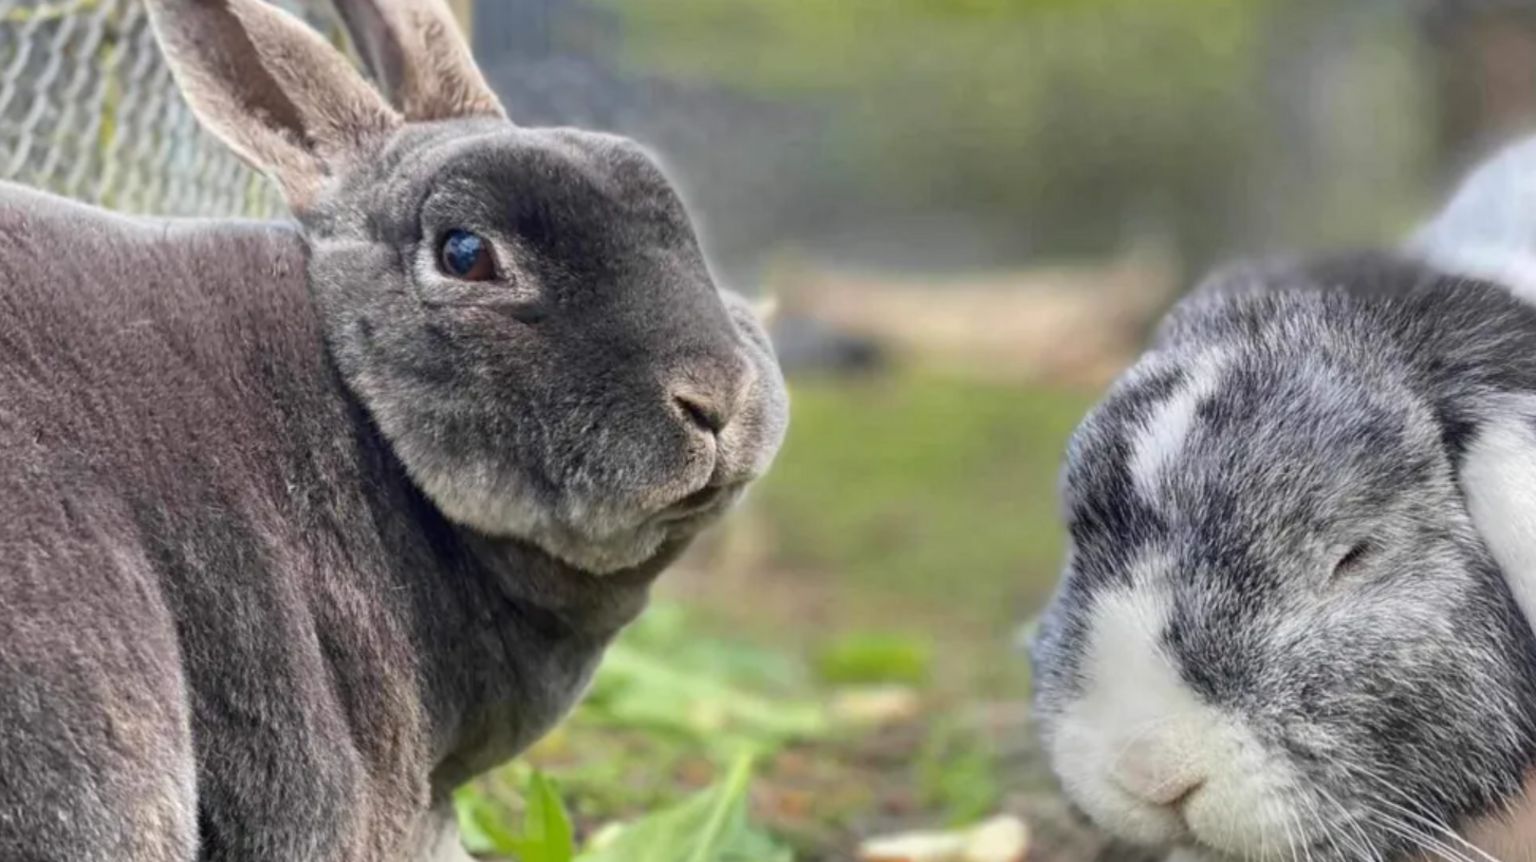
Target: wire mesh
pixel 88 109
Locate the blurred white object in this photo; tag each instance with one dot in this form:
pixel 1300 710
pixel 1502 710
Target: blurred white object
pixel 877 705
pixel 1001 839
pixel 916 847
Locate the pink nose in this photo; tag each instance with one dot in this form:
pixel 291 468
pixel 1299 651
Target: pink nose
pixel 1157 774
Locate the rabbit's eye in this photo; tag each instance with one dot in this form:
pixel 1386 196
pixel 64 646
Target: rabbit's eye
pixel 467 256
pixel 1353 558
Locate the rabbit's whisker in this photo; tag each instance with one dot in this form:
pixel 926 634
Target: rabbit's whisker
pixel 1328 831
pixel 1403 829
pixel 1382 783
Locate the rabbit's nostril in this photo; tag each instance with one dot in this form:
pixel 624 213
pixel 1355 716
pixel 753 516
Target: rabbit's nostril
pixel 701 413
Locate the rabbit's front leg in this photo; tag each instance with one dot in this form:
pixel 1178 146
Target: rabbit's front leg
pixel 94 767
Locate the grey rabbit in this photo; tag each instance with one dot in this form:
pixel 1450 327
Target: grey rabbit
pixel 1295 621
pixel 303 524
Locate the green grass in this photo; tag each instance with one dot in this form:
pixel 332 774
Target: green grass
pixel 933 487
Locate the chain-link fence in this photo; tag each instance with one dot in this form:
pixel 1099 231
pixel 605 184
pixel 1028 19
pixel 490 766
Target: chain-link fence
pixel 88 109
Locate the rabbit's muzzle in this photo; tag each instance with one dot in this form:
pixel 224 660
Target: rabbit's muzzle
pixel 721 407
pixel 719 423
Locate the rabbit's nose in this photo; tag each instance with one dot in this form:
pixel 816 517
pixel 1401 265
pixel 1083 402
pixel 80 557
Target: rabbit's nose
pixel 709 398
pixel 1158 774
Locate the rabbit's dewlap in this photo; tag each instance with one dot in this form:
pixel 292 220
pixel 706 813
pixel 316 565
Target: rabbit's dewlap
pixel 1284 628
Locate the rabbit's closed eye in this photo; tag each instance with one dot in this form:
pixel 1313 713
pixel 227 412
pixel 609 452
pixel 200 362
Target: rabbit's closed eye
pixel 1353 559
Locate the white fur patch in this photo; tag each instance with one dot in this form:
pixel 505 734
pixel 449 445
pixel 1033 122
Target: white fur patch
pixel 1130 690
pixel 1162 437
pixel 1498 477
pixel 1145 755
pixel 1488 229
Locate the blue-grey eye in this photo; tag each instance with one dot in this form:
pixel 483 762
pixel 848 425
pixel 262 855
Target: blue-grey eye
pixel 467 256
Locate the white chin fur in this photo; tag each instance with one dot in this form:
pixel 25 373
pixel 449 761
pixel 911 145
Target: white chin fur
pixel 1138 730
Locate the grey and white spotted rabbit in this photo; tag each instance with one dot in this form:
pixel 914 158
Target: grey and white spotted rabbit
pixel 304 524
pixel 1295 618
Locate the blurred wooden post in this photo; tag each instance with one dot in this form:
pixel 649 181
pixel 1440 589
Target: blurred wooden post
pixel 1486 65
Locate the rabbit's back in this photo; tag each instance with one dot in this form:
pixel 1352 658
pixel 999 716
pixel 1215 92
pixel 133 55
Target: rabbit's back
pixel 1453 337
pixel 168 428
pixel 131 349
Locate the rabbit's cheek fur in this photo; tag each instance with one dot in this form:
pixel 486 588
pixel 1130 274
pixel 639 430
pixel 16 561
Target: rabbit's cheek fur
pixel 591 484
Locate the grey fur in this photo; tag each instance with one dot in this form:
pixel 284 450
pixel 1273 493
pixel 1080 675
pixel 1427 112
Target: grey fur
pixel 1347 393
pixel 233 625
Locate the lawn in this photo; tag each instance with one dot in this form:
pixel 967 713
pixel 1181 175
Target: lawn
pixel 933 487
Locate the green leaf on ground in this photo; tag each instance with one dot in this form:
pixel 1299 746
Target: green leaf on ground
pixel 547 835
pixel 664 675
pixel 710 827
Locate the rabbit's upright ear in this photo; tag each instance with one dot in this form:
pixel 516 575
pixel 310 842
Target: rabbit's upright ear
pixel 272 89
pixel 418 56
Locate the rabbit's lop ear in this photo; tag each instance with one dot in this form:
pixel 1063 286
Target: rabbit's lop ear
pixel 419 58
pixel 271 89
